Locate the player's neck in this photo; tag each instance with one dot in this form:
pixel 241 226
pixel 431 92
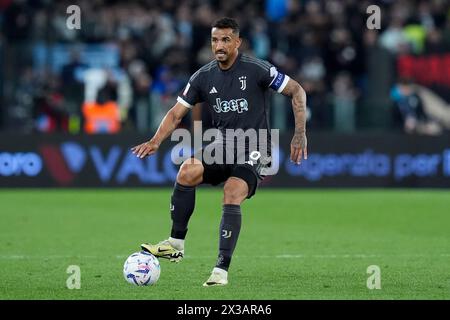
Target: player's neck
pixel 227 65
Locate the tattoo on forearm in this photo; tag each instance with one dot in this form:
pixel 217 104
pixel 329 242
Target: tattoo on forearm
pixel 299 109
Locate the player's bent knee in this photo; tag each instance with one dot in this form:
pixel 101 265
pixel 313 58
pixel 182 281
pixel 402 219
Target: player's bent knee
pixel 235 191
pixel 234 197
pixel 188 177
pixel 190 173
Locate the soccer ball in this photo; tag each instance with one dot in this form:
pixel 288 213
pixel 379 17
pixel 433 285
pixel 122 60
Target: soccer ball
pixel 141 269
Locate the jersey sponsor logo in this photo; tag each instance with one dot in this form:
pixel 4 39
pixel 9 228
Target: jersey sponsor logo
pixel 243 80
pixel 239 105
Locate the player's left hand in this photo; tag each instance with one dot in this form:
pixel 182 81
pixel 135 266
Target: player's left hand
pixel 299 148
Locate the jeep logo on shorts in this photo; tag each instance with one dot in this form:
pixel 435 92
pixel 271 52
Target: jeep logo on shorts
pixel 239 105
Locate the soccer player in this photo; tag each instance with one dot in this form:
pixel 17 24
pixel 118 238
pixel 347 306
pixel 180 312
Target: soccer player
pixel 235 87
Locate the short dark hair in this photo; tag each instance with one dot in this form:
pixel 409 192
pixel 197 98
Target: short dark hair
pixel 224 23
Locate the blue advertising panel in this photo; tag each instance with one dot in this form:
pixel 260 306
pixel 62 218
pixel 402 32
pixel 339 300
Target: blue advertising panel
pixel 363 160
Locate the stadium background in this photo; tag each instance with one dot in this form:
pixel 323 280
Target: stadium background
pixel 378 116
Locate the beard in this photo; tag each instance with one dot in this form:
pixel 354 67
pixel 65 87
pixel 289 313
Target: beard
pixel 222 57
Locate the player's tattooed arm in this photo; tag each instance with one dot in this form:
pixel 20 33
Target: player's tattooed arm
pixel 168 124
pixel 299 142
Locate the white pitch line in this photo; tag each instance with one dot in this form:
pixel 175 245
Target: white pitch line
pixel 49 257
pixel 280 256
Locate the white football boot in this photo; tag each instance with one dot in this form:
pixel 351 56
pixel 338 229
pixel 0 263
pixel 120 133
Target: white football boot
pixel 219 277
pixel 164 249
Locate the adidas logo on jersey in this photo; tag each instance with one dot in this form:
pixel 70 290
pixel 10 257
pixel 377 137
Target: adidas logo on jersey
pixel 213 90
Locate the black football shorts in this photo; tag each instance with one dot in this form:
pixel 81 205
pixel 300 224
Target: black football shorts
pixel 251 171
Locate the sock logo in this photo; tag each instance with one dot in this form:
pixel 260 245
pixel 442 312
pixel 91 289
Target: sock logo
pixel 172 207
pixel 226 234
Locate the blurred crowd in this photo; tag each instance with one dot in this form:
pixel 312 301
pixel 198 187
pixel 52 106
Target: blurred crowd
pixel 347 69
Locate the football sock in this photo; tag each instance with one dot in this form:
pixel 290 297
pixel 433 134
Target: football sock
pixel 230 226
pixel 181 208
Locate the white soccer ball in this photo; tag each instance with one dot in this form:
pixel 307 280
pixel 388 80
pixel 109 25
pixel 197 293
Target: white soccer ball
pixel 141 269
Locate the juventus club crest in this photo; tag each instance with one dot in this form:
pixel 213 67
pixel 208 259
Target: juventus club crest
pixel 243 81
pixel 226 234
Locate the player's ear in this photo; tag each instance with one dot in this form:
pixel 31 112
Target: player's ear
pixel 238 41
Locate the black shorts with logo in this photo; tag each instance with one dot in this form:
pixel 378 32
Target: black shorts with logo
pixel 250 172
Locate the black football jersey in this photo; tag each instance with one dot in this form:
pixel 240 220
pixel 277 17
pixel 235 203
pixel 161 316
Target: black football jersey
pixel 237 97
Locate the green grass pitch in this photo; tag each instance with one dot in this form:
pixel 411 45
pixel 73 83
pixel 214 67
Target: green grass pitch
pixel 294 244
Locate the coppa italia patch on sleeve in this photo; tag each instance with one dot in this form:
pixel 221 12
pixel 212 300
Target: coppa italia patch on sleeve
pixel 278 81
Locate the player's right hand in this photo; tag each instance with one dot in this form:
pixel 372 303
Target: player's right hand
pixel 145 149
